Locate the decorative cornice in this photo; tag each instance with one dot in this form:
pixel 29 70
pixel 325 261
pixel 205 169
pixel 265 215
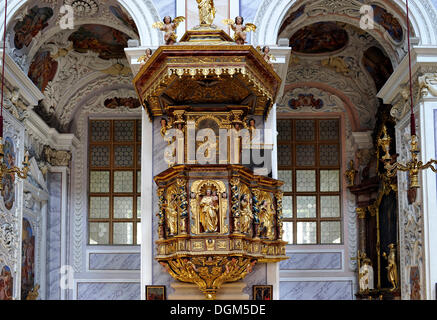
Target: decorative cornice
pixel 18 79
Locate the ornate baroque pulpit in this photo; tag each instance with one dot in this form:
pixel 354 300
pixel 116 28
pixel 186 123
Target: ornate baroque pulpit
pixel 216 219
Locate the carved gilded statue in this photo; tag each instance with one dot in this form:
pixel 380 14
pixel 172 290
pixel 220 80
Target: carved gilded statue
pixel 240 29
pixel 208 206
pixel 392 269
pixel 169 26
pixel 209 211
pixel 172 213
pixel 350 174
pixel 206 11
pixel 266 216
pixel 246 215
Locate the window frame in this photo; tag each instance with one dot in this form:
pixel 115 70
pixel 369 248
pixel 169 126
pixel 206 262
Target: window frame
pixel 112 168
pixel 293 167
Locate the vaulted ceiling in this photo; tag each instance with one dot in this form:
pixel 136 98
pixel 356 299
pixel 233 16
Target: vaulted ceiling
pixel 71 65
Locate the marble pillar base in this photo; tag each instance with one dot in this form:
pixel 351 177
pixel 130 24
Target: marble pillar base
pixel 188 291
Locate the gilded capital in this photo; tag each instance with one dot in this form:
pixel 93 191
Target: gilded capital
pixel 361 213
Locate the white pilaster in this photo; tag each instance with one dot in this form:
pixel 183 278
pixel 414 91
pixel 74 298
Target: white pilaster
pixel 146 203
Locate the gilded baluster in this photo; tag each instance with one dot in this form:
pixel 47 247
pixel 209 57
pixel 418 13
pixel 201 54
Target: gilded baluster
pixel 161 213
pixel 279 195
pixel 183 205
pixel 235 203
pixel 255 209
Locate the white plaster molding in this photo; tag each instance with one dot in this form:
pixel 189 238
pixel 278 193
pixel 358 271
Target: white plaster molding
pixel 363 140
pixel 49 136
pixel 421 58
pixel 19 80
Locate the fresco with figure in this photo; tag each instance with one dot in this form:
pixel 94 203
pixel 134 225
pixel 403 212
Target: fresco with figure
pixel 108 42
pixel 321 37
pixel 27 260
pixel 388 22
pixel 42 70
pixel 32 23
pixel 8 192
pixel 6 284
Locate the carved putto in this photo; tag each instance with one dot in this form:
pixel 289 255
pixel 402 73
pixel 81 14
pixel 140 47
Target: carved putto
pixel 240 29
pixel 144 58
pixel 169 26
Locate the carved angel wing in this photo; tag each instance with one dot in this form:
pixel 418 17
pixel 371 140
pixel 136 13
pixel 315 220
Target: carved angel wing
pixel 250 27
pixel 178 20
pixel 142 58
pixel 158 25
pixel 228 21
pixel 272 57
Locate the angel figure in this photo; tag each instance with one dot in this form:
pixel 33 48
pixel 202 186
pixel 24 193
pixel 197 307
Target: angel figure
pixel 169 26
pixel 268 57
pixel 143 59
pixel 240 29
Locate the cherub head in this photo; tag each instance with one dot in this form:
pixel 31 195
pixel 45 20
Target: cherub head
pixel 149 51
pixel 266 49
pixel 252 123
pixel 167 20
pixel 163 122
pixel 239 20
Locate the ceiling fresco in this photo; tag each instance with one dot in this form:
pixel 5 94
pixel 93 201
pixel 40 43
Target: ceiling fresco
pixel 42 70
pixel 321 37
pixel 388 22
pixel 32 23
pixel 378 65
pixel 108 42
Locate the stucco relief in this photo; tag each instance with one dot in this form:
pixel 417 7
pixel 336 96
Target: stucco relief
pixel 411 225
pixel 10 218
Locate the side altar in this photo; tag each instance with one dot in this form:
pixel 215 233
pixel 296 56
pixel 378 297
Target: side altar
pixel 210 96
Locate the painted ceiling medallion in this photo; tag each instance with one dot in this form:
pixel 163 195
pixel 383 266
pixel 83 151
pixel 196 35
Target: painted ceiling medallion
pixel 83 7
